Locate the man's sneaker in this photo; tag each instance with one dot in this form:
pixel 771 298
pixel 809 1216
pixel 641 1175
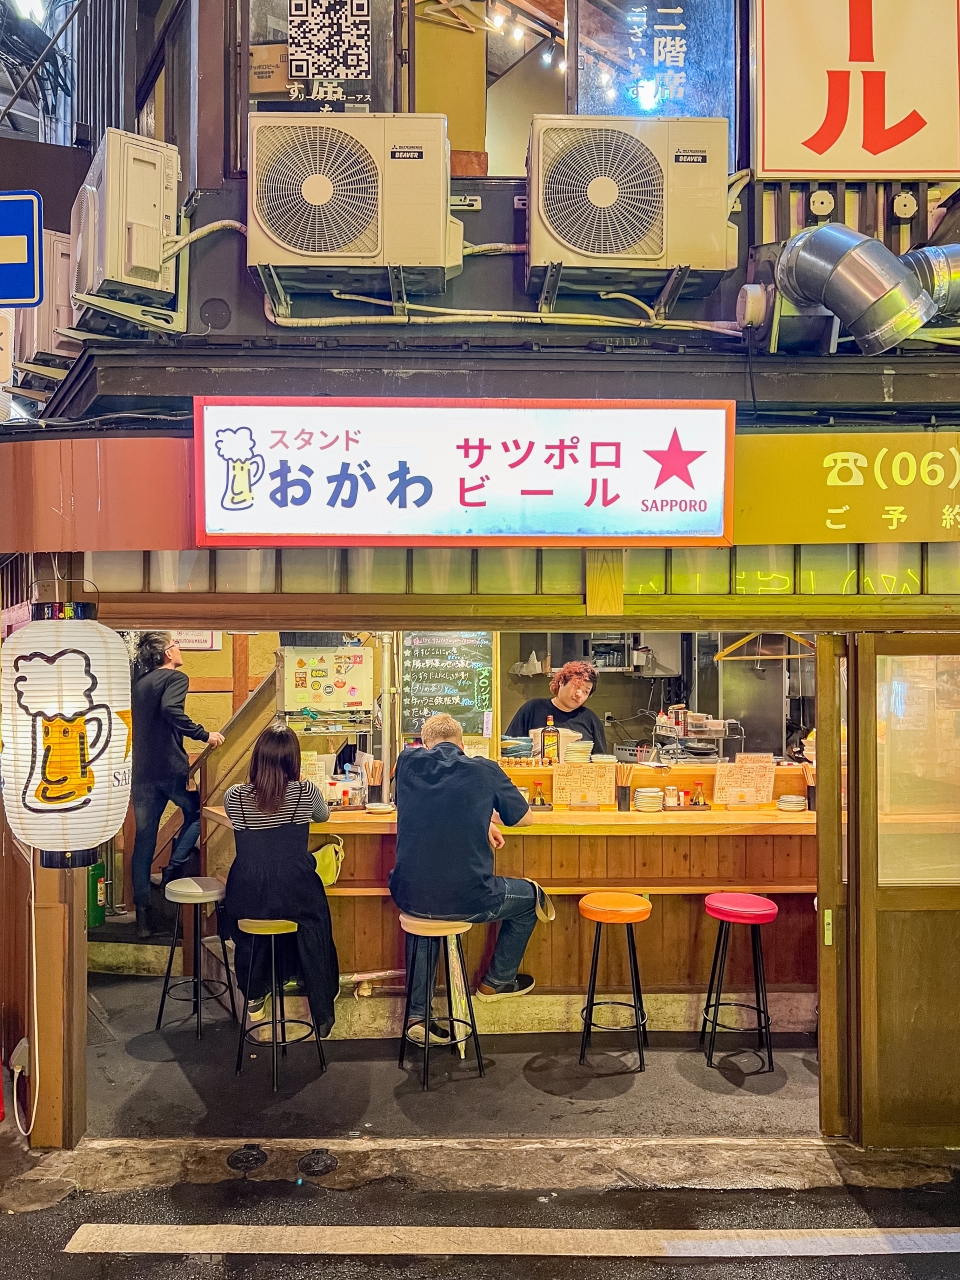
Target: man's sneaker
pixel 438 1034
pixel 522 986
pixel 258 1010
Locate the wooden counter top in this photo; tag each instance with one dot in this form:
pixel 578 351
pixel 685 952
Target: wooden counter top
pixel 767 821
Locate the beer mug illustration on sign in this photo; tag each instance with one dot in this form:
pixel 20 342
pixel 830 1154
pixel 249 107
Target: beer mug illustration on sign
pixel 245 467
pixel 70 732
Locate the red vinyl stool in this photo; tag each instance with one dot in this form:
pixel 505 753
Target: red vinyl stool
pixel 738 908
pixel 627 909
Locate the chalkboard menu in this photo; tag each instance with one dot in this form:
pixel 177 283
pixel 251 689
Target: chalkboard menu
pixel 448 671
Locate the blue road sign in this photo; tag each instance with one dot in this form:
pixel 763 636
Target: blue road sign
pixel 21 249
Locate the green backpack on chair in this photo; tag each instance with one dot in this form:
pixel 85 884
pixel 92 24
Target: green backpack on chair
pixel 329 860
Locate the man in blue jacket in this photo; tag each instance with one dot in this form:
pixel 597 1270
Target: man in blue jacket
pixel 448 805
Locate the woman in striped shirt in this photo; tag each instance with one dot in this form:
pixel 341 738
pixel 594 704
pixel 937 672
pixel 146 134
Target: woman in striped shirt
pixel 274 878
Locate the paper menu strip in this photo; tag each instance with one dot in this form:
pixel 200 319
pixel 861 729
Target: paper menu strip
pixel 729 777
pixel 598 782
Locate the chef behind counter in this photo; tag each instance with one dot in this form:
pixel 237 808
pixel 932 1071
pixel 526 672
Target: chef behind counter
pixel 570 687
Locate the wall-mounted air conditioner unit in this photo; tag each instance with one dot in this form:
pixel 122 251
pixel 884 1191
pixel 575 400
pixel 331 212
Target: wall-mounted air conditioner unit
pixel 334 201
pixel 610 198
pixel 36 327
pixel 123 213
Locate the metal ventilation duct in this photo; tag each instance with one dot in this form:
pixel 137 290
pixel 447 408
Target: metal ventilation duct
pixel 937 267
pixel 875 295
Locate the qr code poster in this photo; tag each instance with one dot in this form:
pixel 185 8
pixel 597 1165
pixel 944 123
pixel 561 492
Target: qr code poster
pixel 329 39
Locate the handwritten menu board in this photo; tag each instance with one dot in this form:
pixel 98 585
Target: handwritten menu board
pixel 587 784
pixel 448 671
pixel 735 777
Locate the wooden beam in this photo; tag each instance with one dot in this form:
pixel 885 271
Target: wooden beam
pixel 604 582
pixel 241 670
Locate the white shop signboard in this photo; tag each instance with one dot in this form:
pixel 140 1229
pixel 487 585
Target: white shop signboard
pixel 857 89
pixel 445 473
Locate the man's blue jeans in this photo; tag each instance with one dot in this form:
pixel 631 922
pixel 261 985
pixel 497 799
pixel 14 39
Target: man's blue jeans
pixel 149 801
pixel 518 917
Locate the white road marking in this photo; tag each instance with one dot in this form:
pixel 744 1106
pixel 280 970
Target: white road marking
pixel 509 1241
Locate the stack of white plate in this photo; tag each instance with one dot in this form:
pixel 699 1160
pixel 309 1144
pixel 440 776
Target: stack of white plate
pixel 792 804
pixel 648 799
pixel 603 759
pixel 578 752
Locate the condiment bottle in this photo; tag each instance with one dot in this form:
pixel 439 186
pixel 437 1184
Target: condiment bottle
pixel 333 797
pixel 345 799
pixel 698 797
pixel 538 801
pixel 550 741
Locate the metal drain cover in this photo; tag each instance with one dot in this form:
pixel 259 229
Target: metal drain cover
pixel 247 1158
pixel 317 1162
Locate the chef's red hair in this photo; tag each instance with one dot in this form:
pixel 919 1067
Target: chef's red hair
pixel 573 671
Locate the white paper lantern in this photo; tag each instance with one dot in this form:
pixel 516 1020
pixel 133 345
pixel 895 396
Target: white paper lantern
pixel 65 766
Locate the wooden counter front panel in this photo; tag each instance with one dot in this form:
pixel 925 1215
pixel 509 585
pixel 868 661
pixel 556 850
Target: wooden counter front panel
pixel 675 945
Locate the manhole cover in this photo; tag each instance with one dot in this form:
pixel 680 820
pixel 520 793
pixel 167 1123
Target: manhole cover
pixel 247 1158
pixel 318 1162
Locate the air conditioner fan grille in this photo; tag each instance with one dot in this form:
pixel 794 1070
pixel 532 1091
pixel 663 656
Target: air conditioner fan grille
pixel 603 192
pixel 317 189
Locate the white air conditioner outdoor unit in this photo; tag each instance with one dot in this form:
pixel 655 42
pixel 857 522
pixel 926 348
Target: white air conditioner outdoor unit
pixel 36 327
pixel 123 213
pixel 621 202
pixel 333 201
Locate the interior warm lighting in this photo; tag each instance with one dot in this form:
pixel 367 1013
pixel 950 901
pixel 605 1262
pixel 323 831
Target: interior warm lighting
pixel 605 78
pixel 610 95
pixel 547 56
pixel 562 66
pixel 498 20
pixel 518 33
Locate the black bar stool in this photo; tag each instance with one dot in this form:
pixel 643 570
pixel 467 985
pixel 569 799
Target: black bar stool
pixel 738 908
pixel 196 890
pixel 627 909
pixel 436 932
pixel 272 929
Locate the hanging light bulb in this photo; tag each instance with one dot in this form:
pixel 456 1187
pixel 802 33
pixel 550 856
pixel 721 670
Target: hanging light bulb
pixel 605 77
pixel 518 33
pixel 498 20
pixel 547 56
pixel 562 65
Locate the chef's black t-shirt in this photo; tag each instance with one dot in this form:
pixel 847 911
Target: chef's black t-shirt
pixel 533 715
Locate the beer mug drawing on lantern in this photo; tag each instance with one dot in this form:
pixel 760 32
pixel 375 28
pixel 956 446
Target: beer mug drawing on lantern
pixel 245 467
pixel 70 732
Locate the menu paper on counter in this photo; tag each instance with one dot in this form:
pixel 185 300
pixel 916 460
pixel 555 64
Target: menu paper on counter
pixel 587 784
pixel 738 777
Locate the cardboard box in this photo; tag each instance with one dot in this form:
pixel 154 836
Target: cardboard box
pixel 268 69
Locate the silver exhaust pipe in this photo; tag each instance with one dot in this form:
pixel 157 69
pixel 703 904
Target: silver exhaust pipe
pixel 876 296
pixel 937 267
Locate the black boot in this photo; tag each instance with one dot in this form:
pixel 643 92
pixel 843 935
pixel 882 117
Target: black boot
pixel 188 866
pixel 143 923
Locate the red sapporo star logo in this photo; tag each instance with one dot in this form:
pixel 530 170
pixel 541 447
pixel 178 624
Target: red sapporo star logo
pixel 674 461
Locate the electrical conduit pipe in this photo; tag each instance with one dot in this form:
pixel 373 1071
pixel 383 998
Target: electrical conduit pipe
pixel 875 295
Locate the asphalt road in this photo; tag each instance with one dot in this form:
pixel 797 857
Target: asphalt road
pixel 31 1244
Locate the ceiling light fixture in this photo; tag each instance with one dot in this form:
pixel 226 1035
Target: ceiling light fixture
pixel 518 33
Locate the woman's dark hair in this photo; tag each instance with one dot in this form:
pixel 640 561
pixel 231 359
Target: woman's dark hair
pixel 275 763
pixel 151 651
pixel 573 671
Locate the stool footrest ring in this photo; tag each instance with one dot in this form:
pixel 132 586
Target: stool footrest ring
pixel 620 1004
pixel 762 1018
pixel 282 1037
pixel 207 994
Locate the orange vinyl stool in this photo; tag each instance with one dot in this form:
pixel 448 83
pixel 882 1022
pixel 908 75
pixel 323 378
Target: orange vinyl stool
pixel 627 909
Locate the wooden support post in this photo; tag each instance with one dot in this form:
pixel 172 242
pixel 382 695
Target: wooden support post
pixel 61 1008
pixel 241 670
pixel 604 582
